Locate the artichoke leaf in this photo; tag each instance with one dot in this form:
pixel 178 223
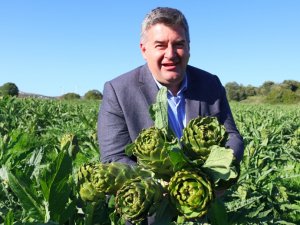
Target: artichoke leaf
pixel 159 110
pixel 129 149
pixel 219 164
pixel 178 159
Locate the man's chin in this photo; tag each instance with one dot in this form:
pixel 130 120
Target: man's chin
pixel 173 77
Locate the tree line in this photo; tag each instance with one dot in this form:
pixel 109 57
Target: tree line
pixel 11 89
pixel 269 92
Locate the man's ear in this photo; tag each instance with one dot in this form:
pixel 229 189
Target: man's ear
pixel 143 50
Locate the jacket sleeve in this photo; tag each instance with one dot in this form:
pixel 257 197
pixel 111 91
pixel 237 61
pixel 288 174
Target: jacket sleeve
pixel 235 141
pixel 113 133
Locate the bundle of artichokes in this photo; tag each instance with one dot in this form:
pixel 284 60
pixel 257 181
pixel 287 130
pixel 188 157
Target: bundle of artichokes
pixel 189 169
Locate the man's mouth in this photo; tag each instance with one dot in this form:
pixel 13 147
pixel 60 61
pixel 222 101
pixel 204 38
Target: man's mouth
pixel 169 66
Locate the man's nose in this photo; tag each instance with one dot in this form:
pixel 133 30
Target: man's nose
pixel 170 52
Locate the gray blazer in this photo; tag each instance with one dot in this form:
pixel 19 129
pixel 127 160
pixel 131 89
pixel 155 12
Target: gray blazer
pixel 126 99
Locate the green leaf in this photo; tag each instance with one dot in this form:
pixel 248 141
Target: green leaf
pixel 9 218
pixel 89 213
pixel 217 213
pixel 15 147
pixel 115 218
pixel 294 207
pixel 159 110
pixel 165 212
pixel 129 149
pixel 178 159
pixel 68 213
pixel 24 190
pixel 56 184
pixel 218 163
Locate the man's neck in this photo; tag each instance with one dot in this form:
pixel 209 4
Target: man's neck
pixel 173 88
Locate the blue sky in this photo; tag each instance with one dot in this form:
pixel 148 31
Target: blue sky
pixel 52 47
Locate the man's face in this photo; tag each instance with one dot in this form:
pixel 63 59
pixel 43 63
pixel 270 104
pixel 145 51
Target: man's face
pixel 166 50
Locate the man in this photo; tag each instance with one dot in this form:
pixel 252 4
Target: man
pixel 165 45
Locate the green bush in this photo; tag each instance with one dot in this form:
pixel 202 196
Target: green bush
pixel 265 88
pixel 93 95
pixel 291 84
pixel 279 94
pixel 235 91
pixel 70 96
pixel 9 89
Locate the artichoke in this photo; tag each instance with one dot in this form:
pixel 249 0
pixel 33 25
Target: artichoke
pixel 88 192
pixel 191 193
pixel 138 198
pixel 96 180
pixel 200 134
pixel 152 148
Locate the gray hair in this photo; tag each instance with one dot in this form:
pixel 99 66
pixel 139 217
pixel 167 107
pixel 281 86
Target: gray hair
pixel 167 16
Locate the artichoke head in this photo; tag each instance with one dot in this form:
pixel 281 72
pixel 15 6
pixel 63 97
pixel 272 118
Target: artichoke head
pixel 98 179
pixel 200 134
pixel 138 198
pixel 152 148
pixel 191 193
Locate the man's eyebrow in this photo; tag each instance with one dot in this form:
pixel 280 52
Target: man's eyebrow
pixel 180 41
pixel 176 41
pixel 159 42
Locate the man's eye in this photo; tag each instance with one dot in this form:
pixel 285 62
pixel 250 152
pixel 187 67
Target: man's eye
pixel 180 45
pixel 159 46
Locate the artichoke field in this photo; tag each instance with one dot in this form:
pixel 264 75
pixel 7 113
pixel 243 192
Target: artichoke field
pixel 43 144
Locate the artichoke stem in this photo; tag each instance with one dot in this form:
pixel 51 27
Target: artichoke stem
pixel 90 209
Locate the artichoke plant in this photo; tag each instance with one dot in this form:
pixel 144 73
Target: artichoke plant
pixel 138 198
pixel 69 142
pixel 96 180
pixel 191 193
pixel 152 149
pixel 200 134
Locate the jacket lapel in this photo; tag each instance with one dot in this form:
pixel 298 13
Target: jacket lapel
pixel 192 103
pixel 192 109
pixel 148 86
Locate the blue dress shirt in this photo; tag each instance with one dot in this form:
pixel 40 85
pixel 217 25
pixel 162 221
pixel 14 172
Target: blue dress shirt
pixel 176 108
